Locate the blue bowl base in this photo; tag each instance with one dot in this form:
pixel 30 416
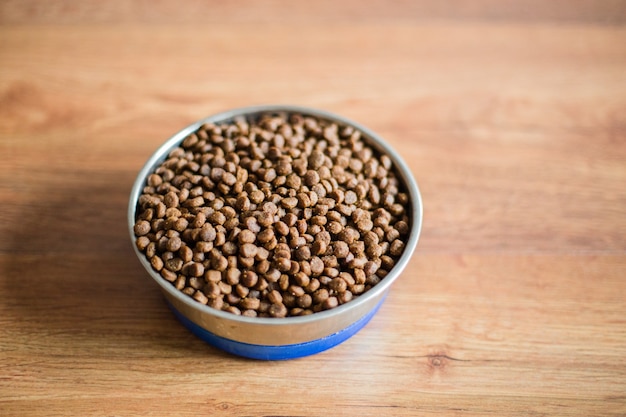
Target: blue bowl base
pixel 277 352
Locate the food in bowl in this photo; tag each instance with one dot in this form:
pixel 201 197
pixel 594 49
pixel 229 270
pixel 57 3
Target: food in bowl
pixel 282 214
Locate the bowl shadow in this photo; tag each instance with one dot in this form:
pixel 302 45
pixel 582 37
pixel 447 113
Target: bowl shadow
pixel 72 282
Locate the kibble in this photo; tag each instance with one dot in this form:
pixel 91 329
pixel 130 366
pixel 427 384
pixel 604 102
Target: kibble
pixel 281 216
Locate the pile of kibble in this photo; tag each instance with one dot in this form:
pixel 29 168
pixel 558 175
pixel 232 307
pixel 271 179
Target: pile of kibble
pixel 284 215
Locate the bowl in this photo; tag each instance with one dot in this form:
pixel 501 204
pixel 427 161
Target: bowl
pixel 271 338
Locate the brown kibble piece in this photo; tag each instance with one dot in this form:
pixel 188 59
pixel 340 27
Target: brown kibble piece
pixel 250 303
pixel 169 275
pixel 186 254
pixel 212 290
pixel 194 282
pixel 319 247
pixel 317 265
pixel 207 233
pixel 350 197
pixel 246 236
pixel 171 199
pixel 311 178
pixel 196 269
pixel 142 243
pixel 233 310
pixel 265 235
pixel 344 297
pixel 296 290
pixel 174 264
pixel 338 285
pixel 316 159
pixel 252 224
pixel 402 227
pixel 396 247
pixel 341 249
pixel 142 228
pixel 278 310
pixel 304 301
pixel 157 263
pixel 248 250
pixel 330 302
pixel 289 202
pixel 174 244
pixel 249 279
pixel 232 276
pixel 365 225
pixel 303 253
pixel 200 297
pixel 281 228
pixel 257 196
pixel 320 296
pixel 212 275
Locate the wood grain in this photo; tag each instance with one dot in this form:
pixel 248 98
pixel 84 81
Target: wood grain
pixel 284 11
pixel 512 121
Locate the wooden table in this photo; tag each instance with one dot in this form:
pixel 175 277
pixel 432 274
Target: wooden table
pixel 511 116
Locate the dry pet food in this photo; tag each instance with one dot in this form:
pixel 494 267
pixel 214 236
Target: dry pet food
pixel 284 215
